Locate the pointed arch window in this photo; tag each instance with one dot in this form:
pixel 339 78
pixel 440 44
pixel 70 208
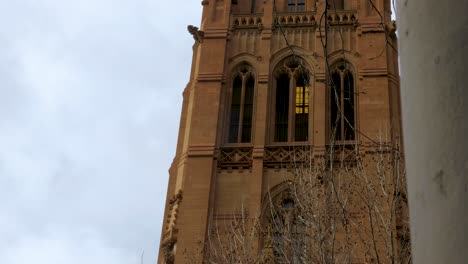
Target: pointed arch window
pixel 241 110
pixel 291 102
pixel 342 103
pixel 285 231
pixel 252 6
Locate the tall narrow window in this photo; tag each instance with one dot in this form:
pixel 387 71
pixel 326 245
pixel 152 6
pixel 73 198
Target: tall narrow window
pixel 296 5
pixel 235 109
pixel 291 5
pixel 301 111
pixel 286 231
pixel 342 104
pixel 291 102
pixel 282 108
pixel 337 4
pixel 300 5
pixel 241 111
pixel 252 7
pixel 248 109
pixel 348 106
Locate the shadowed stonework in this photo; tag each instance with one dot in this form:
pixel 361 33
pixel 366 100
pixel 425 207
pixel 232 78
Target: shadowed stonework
pixel 291 129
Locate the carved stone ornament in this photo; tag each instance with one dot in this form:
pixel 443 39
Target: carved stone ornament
pixel 205 2
pixel 392 28
pixel 284 156
pixel 236 157
pixel 176 198
pixel 168 251
pixel 196 33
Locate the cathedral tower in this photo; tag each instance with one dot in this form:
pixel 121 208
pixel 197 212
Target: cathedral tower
pixel 260 94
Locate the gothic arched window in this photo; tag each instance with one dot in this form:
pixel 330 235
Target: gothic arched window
pixel 291 102
pixel 285 231
pixel 296 5
pixel 342 103
pixel 241 110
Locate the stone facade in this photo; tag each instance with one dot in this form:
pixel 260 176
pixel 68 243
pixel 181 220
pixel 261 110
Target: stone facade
pixel 240 130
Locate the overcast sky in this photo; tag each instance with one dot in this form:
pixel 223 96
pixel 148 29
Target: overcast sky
pixel 90 98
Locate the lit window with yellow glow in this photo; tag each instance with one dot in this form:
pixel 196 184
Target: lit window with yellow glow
pixel 302 100
pixel 291 101
pixel 302 112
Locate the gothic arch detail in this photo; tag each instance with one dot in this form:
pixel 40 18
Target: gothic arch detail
pixel 241 101
pixel 281 216
pixel 290 107
pixel 342 103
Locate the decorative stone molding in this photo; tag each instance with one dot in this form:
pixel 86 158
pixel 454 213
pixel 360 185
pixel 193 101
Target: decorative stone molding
pixel 201 150
pixel 210 77
pixel 169 238
pixel 373 72
pixel 205 2
pixel 346 154
pixel 215 33
pixel 373 28
pixel 247 22
pixel 232 216
pixel 176 199
pixel 343 17
pixel 263 78
pixel 169 251
pixel 296 20
pixel 286 156
pixel 235 158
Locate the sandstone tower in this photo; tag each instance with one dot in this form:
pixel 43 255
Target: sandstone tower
pixel 260 94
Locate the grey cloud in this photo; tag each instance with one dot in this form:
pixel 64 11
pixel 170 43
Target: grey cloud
pixel 90 95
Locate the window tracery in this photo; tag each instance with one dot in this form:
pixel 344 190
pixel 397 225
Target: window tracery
pixel 291 101
pixel 241 110
pixel 342 103
pixel 286 231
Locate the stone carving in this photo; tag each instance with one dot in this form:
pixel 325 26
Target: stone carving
pixel 234 158
pixel 247 22
pixel 168 251
pixel 345 154
pixel 343 18
pixel 196 33
pixel 169 238
pixel 284 156
pixel 295 20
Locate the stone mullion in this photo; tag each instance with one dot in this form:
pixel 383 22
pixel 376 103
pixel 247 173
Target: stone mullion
pixel 241 112
pixel 342 114
pixel 310 112
pixel 355 106
pixel 291 108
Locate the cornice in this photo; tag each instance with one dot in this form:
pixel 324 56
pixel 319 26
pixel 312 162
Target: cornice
pixel 210 77
pixel 201 151
pixel 216 33
pixel 373 72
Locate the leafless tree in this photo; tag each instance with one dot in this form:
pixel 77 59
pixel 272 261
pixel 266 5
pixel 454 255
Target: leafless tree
pixel 350 208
